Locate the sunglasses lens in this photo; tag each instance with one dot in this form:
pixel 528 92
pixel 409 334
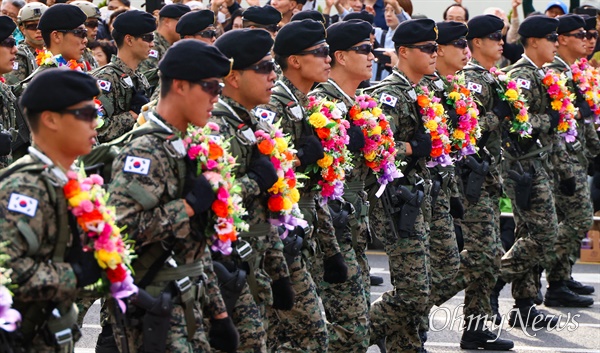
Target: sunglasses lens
pixel 429 48
pixel 91 24
pixel 213 88
pixel 322 52
pixel 87 114
pixel 8 42
pixel 461 43
pixel 31 27
pixel 148 38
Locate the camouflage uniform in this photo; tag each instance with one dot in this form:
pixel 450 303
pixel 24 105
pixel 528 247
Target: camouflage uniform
pixel 123 82
pixel 396 315
pixel 8 120
pixel 88 60
pixel 347 304
pixel 150 204
pixel 575 213
pixel 480 257
pixel 34 237
pixel 268 262
pixel 302 329
pixel 24 64
pixel 149 67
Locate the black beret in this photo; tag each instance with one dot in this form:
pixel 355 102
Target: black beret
pixel 193 60
pixel 245 46
pixel 538 26
pixel 61 16
pixel 310 14
pixel 346 34
pixel 363 15
pixel 570 22
pixel 590 22
pixel 194 22
pixel 69 87
pixel 7 27
pixel 450 31
pixel 135 23
pixel 483 25
pixel 265 15
pixel 174 10
pixel 297 36
pixel 415 31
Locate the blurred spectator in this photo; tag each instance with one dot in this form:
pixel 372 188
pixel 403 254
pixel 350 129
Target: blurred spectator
pixel 195 5
pixel 112 19
pixel 394 15
pixel 456 12
pixel 512 36
pixel 287 8
pixel 377 8
pixel 103 51
pixel 553 9
pixel 11 9
pixel 235 22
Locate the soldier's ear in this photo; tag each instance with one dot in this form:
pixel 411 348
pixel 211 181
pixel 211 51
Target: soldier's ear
pixel 50 120
pixel 233 79
pixel 340 57
pixel 293 61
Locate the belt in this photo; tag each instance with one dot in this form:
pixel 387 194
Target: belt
pixel 256 230
pixel 537 153
pixel 354 186
pixel 176 273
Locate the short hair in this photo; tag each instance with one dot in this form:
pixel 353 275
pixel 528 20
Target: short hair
pixel 33 119
pixel 524 41
pixel 282 61
pixel 456 5
pixel 118 37
pixel 16 3
pixel 46 38
pixel 165 84
pixel 108 48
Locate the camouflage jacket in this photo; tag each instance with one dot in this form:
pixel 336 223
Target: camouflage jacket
pixel 149 67
pixel 87 58
pixel 24 65
pixel 232 118
pixel 8 120
pixel 149 203
pixel 18 88
pixel 118 84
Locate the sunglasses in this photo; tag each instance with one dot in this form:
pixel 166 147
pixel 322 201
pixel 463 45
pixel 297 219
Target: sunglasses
pixel 459 43
pixel 88 113
pixel 31 27
pixel 496 36
pixel 578 35
pixel 552 37
pixel 320 52
pixel 214 88
pixel 209 33
pixel 591 35
pixel 148 37
pixel 274 28
pixel 78 32
pixel 424 48
pixel 9 42
pixel 263 67
pixel 91 24
pixel 365 49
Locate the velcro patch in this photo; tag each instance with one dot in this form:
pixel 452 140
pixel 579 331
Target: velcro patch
pixel 523 83
pixel 388 99
pixel 474 87
pixel 265 115
pixel 104 85
pixel 22 204
pixel 137 165
pixel 153 53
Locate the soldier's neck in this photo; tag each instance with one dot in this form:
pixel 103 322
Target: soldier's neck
pixel 129 59
pixel 345 81
pixel 567 56
pixel 413 77
pixel 486 62
pixel 445 70
pixel 296 78
pixel 53 151
pixel 535 57
pixel 164 32
pixel 238 96
pixel 168 108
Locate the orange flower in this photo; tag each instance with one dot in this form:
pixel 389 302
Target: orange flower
pixel 71 188
pixel 323 132
pixel 423 101
pixel 266 147
pixel 214 151
pixel 353 111
pixel 291 183
pixel 465 91
pixel 436 152
pixel 518 105
pixel 330 175
pixel 275 203
pixel 89 217
pixel 220 208
pixel 383 124
pixel 461 110
pixel 228 236
pixel 548 80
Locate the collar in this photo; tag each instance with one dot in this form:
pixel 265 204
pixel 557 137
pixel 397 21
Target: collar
pixel 524 56
pixel 348 99
pixel 299 97
pixel 115 60
pixel 235 108
pixel 402 76
pixel 52 168
pixel 567 66
pixel 176 143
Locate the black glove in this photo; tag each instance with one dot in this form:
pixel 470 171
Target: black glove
pixel 453 117
pixel 198 193
pixel 567 186
pixel 457 211
pixel 421 145
pixel 335 269
pixel 357 139
pixel 584 109
pixel 86 269
pixel 596 180
pixel 310 150
pixel 554 117
pixel 223 335
pixel 283 294
pixel 5 143
pixel 502 110
pixel 137 101
pixel 263 172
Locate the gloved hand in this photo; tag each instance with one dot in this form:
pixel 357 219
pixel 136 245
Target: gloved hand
pixel 335 269
pixel 584 109
pixel 554 117
pixel 452 116
pixel 310 150
pixel 457 211
pixel 502 110
pixel 223 335
pixel 567 186
pixel 357 139
pixel 198 193
pixel 138 100
pixel 283 294
pixel 86 268
pixel 5 143
pixel 421 145
pixel 596 180
pixel 263 172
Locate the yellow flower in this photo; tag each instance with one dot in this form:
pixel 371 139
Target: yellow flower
pixel 325 161
pixel 377 111
pixel 458 134
pixel 563 126
pixel 454 96
pixel 472 140
pixel 277 187
pixel 511 94
pixel 108 259
pixel 431 125
pixel 556 104
pixel 317 120
pixel 287 203
pixel 375 131
pixel 438 108
pixel 281 143
pixel 522 118
pixel 370 156
pixel 294 195
pixel 571 108
pixel 76 200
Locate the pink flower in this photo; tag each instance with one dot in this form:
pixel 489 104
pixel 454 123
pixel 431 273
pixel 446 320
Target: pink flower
pixel 97 179
pixel 511 85
pixel 222 194
pixel 86 206
pixel 194 151
pixel 211 164
pixel 213 126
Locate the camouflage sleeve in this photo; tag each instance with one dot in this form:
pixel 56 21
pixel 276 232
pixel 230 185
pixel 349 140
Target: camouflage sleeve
pixel 150 64
pixel 560 160
pixel 325 233
pixel 34 278
pixel 592 142
pixel 540 122
pixel 215 304
pixel 20 73
pixel 118 120
pixel 250 188
pixel 275 264
pixel 138 195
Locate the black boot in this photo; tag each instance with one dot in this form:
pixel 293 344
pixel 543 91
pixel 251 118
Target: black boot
pixel 525 314
pixel 106 341
pixel 381 344
pixel 578 287
pixel 539 298
pixel 494 302
pixel 423 337
pixel 477 335
pixel 376 280
pixel 558 294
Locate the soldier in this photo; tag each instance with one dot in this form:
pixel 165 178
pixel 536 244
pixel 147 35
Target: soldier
pixel 303 55
pixel 45 251
pixel 91 25
pixel 572 196
pixel 8 101
pixel 198 25
pixel 158 200
pixel 25 63
pixel 347 304
pixel 123 87
pixel 249 85
pixel 480 258
pixel 266 17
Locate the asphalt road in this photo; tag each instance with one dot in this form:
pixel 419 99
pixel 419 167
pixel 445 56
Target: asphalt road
pixel 580 327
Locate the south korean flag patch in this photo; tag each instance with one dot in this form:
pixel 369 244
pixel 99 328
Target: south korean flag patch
pixel 265 115
pixel 523 83
pixel 153 53
pixel 22 204
pixel 388 99
pixel 474 87
pixel 15 65
pixel 104 85
pixel 137 165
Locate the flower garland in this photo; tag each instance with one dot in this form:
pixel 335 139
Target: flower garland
pixel 9 317
pixel 216 164
pixel 586 77
pixel 326 119
pixel 511 93
pixel 283 195
pixel 100 119
pixel 87 202
pixel 467 131
pixel 380 149
pixel 45 58
pixel 435 122
pixel 562 102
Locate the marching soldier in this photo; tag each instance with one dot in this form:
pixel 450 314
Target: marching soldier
pixel 8 101
pixel 198 25
pixel 91 25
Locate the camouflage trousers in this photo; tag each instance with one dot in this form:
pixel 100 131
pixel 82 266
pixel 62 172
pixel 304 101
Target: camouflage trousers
pixel 480 257
pixel 535 231
pixel 575 215
pixel 397 314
